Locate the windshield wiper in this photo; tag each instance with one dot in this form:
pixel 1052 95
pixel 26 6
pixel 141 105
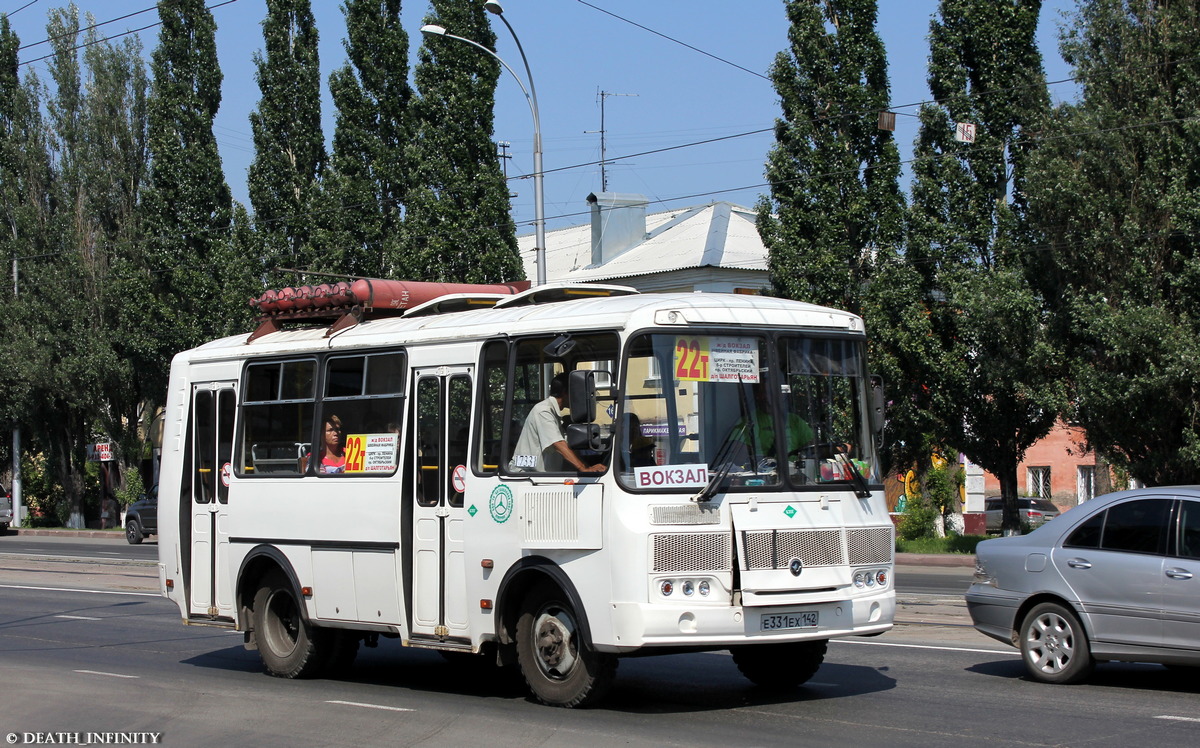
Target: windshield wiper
pixel 856 476
pixel 722 456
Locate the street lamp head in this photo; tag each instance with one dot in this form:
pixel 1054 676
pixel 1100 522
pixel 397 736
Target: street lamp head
pixel 432 30
pixel 494 7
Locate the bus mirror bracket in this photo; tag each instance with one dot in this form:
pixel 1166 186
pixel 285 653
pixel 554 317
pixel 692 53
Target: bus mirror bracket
pixel 581 395
pixel 585 436
pixel 878 405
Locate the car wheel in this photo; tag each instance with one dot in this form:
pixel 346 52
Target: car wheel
pixel 133 531
pixel 560 668
pixel 1054 645
pixel 288 645
pixel 780 665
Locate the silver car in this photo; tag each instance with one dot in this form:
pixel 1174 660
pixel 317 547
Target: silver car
pixel 1117 578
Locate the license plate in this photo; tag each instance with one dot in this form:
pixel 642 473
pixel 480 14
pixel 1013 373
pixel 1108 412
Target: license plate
pixel 804 619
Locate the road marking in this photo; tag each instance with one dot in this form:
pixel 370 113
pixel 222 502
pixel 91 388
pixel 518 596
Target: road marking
pixel 372 706
pixel 79 618
pixel 68 589
pixel 110 675
pixel 1178 719
pixel 927 646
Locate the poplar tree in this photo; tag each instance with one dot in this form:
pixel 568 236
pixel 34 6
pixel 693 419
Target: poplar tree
pixel 993 380
pixel 188 206
pixel 366 184
pixel 1113 191
pixel 24 216
pixel 835 206
pixel 458 225
pixel 289 149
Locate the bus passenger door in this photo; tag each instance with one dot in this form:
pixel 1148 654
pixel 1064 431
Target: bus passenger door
pixel 442 419
pixel 213 408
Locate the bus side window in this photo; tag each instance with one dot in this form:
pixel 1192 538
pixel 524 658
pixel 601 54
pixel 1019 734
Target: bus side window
pixel 490 407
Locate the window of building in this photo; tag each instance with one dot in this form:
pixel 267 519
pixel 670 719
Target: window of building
pixel 1086 483
pixel 1037 482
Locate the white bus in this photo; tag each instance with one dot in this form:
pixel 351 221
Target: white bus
pixel 738 504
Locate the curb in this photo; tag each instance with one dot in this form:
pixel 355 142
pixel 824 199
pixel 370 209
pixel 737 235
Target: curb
pixel 116 534
pixel 902 559
pixel 935 559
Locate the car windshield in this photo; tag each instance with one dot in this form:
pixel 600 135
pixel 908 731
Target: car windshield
pixel 758 413
pixel 1042 505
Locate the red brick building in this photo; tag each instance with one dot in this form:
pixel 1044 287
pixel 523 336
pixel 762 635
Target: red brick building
pixel 1059 468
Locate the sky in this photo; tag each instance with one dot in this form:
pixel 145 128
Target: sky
pixel 664 95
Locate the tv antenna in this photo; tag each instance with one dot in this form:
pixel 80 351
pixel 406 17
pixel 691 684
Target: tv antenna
pixel 602 95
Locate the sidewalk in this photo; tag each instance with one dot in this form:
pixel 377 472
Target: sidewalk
pixel 58 532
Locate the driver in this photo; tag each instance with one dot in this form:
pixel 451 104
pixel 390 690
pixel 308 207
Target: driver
pixel 759 434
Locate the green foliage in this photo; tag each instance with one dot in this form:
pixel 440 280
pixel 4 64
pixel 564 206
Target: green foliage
pixel 131 488
pixel 366 185
pixel 458 226
pixel 957 317
pixel 949 544
pixel 1114 194
pixel 919 521
pixel 289 149
pixel 835 207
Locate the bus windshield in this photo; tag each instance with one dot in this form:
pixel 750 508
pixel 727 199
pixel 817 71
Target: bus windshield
pixel 784 412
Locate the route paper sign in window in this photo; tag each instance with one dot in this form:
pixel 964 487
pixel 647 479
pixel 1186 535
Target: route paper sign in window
pixel 371 453
pixel 707 358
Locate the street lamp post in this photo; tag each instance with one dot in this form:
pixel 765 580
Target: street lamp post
pixel 539 208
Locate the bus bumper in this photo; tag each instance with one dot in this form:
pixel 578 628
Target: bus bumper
pixel 636 625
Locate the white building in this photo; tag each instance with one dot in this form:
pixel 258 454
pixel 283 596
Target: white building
pixel 711 248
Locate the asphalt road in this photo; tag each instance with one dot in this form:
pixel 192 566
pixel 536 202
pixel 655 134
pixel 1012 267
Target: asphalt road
pixel 87 646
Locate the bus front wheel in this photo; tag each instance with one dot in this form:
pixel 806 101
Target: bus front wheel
pixel 780 665
pixel 288 645
pixel 559 666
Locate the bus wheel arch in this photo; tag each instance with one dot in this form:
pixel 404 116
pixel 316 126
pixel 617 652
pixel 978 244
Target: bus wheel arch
pixel 544 629
pixel 518 581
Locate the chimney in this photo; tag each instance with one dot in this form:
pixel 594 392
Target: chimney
pixel 618 224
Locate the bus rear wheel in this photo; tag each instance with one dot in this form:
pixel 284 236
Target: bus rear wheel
pixel 780 665
pixel 288 645
pixel 559 666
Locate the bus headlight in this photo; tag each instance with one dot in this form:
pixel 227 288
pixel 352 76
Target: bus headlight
pixel 667 587
pixel 704 588
pixel 689 589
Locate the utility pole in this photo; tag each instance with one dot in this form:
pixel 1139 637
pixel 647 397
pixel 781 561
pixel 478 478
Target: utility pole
pixel 602 95
pixel 502 147
pixel 18 509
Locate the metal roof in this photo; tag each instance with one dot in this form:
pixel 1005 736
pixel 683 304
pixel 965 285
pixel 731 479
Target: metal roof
pixel 715 235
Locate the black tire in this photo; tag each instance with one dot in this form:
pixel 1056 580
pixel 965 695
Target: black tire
pixel 780 665
pixel 1054 645
pixel 558 664
pixel 133 532
pixel 288 645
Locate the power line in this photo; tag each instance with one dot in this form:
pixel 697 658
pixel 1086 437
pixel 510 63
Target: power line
pixel 114 36
pixel 673 39
pixel 86 28
pixel 23 7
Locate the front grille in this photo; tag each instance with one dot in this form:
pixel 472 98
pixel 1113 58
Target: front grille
pixel 774 549
pixel 870 545
pixel 684 514
pixel 710 551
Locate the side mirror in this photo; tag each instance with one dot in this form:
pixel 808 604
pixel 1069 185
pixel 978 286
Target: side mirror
pixel 581 395
pixel 585 436
pixel 878 404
